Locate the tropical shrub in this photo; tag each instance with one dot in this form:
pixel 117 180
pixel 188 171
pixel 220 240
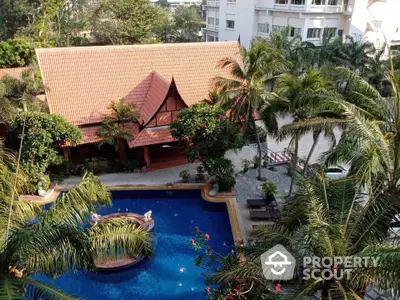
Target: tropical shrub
pixel 95 165
pixel 222 170
pixel 200 173
pixel 185 175
pixel 246 165
pixel 131 165
pixel 44 134
pixel 16 53
pixel 206 131
pixel 269 188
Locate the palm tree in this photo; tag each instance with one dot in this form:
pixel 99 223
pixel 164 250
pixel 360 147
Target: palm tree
pixel 327 219
pixel 56 242
pixel 370 143
pixel 243 93
pixel 303 96
pixel 117 127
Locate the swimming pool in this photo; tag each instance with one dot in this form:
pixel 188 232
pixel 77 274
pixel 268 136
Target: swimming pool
pixel 171 273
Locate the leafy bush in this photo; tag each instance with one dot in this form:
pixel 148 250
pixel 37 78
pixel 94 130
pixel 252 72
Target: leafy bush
pixel 95 165
pixel 131 165
pixel 200 173
pixel 222 170
pixel 255 162
pixel 44 134
pixel 184 174
pixel 269 188
pixel 16 53
pixel 115 166
pixel 246 165
pixel 46 183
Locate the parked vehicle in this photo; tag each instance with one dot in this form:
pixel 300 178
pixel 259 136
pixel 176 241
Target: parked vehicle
pixel 336 172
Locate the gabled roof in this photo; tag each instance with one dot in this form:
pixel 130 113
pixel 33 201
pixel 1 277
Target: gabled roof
pixel 82 81
pixel 152 136
pixel 13 72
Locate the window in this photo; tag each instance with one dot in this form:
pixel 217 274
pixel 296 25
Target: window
pixel 318 2
pixel 313 33
pixel 377 23
pixel 216 21
pixel 263 27
pixel 211 21
pixel 332 2
pixel 340 32
pixel 298 2
pixel 295 31
pixel 231 1
pixel 277 28
pixel 329 32
pixel 230 24
pixel 281 1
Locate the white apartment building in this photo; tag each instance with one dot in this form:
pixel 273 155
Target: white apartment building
pixel 173 4
pixel 374 20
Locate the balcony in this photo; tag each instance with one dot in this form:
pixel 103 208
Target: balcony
pixel 301 6
pixel 212 3
pixel 212 27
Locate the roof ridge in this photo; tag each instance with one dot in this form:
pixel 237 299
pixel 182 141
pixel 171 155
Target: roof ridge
pixel 123 47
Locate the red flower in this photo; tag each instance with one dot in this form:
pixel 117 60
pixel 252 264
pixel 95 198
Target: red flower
pixel 278 288
pixel 208 289
pixel 237 289
pixel 207 236
pixel 193 241
pixel 197 229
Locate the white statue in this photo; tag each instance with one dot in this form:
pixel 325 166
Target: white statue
pixel 95 217
pixel 147 216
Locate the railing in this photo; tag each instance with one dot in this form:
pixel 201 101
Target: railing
pixel 213 3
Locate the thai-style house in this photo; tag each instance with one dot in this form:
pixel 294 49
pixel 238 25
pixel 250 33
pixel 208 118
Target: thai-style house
pixel 159 79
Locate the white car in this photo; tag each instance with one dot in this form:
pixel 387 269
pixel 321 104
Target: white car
pixel 336 172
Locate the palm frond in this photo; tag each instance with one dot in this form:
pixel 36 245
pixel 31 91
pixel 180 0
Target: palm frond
pixel 118 237
pixel 76 205
pixel 39 290
pixel 11 288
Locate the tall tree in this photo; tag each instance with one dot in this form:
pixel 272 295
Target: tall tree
pixel 187 24
pixel 370 143
pixel 121 22
pixel 326 219
pixel 303 95
pixel 117 126
pixel 243 92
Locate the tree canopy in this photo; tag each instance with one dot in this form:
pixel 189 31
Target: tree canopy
pixel 44 134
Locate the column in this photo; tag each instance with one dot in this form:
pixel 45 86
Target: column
pixel 65 152
pixel 147 156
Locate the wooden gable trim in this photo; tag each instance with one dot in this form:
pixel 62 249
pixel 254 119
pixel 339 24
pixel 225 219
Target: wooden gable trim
pixel 178 98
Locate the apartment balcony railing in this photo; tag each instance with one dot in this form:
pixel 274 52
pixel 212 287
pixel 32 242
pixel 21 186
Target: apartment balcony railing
pixel 212 27
pixel 301 6
pixel 213 3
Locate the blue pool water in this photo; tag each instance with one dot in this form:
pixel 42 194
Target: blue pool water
pixel 171 273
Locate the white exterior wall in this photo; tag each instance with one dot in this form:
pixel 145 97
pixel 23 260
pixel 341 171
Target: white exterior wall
pixel 363 19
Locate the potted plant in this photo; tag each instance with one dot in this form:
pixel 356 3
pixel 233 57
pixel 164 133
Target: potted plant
pixel 185 175
pixel 200 173
pixel 255 162
pixel 246 165
pixel 269 188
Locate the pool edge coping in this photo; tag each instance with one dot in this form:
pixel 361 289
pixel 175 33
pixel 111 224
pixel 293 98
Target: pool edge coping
pixel 229 200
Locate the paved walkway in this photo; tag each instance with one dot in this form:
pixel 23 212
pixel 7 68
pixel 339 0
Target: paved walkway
pixel 158 177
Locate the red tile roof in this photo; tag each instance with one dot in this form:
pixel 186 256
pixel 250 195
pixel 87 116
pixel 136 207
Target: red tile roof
pixel 152 136
pixel 82 81
pixel 155 96
pixel 13 72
